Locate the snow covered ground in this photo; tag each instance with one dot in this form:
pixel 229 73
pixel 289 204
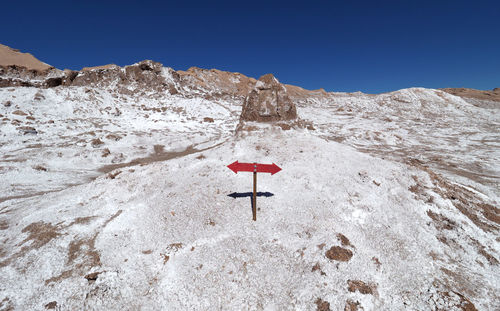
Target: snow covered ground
pixel 53 138
pixel 458 137
pixel 358 216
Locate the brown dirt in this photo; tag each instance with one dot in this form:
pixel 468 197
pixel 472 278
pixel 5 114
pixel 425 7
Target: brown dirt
pixel 344 240
pixel 493 95
pixel 4 225
pixel 6 304
pixel 284 126
pixel 339 254
pixel 441 222
pixel 39 234
pixel 317 267
pixel 450 298
pixel 82 254
pixel 351 305
pixel 482 214
pixel 360 286
pixel 82 220
pixel 322 305
pixel 163 156
pixel 208 119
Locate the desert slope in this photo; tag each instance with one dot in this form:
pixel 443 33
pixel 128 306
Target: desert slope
pixel 167 236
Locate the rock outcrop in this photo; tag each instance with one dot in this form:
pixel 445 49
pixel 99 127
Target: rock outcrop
pixel 216 83
pixel 142 76
pixel 268 101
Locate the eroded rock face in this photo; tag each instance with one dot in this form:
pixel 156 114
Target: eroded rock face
pixel 268 101
pixel 145 75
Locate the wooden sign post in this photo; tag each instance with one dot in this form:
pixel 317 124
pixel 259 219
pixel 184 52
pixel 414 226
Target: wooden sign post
pixel 255 168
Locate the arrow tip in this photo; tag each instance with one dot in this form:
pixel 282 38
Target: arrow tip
pixel 275 169
pixel 234 166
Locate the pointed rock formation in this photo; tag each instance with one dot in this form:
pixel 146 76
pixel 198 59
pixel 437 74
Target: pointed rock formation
pixel 268 101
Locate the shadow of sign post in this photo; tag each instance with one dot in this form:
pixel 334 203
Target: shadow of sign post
pixel 236 195
pixel 255 168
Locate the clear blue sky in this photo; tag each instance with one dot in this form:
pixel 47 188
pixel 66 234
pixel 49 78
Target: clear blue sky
pixel 372 46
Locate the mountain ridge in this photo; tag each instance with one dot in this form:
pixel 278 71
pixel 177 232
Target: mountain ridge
pixel 23 66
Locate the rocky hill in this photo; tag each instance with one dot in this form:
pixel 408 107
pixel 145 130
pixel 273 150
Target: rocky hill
pixel 115 193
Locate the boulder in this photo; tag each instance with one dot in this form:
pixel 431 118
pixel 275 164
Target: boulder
pixel 268 101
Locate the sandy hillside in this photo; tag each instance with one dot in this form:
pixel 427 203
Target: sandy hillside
pixel 9 56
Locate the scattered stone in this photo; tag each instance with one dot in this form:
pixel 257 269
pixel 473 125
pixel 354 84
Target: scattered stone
pixel 30 118
pixel 351 305
pixel 317 267
pixel 268 101
pixel 208 119
pixel 91 277
pixel 322 305
pixel 113 137
pixel 284 126
pixel 344 240
pixel 377 262
pixel 20 113
pixel 7 103
pixel 39 96
pixel 339 254
pixel 96 142
pixel 53 82
pixel 360 286
pixel 114 174
pixel 105 152
pixel 40 168
pixel 51 305
pixel 27 130
pixel 159 149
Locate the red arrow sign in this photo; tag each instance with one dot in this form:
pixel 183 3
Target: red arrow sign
pixel 254 167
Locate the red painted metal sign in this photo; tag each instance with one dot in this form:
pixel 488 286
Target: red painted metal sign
pixel 254 167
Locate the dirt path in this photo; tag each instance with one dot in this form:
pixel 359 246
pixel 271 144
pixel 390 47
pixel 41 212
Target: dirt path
pixel 155 157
